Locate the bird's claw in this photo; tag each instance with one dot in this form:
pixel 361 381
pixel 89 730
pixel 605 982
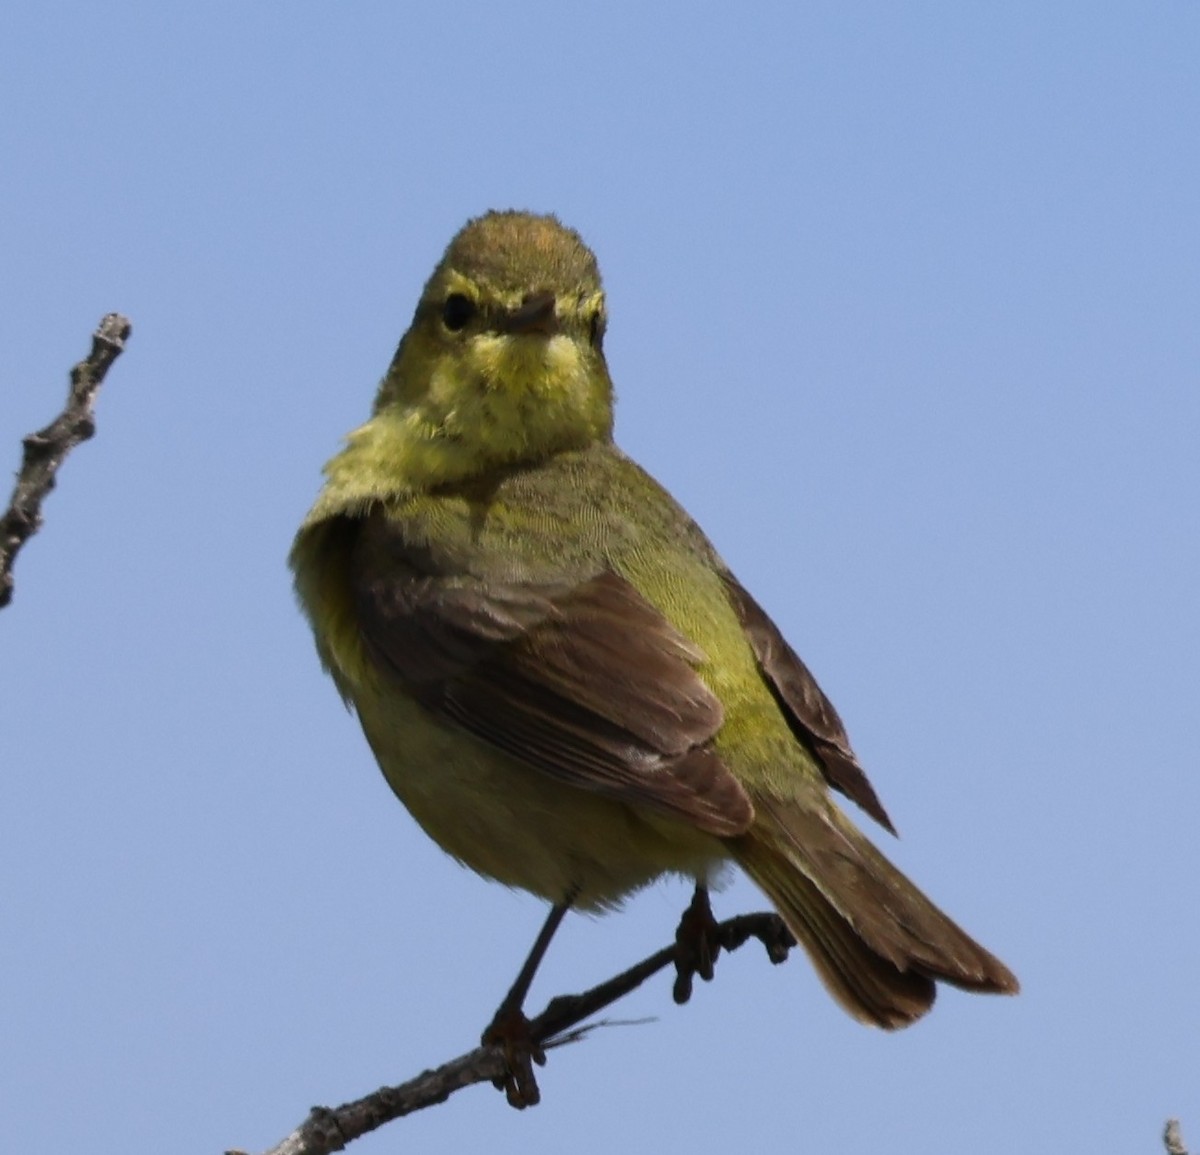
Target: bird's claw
pixel 697 945
pixel 510 1031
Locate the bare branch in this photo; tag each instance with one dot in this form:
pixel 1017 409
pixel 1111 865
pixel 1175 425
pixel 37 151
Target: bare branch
pixel 329 1129
pixel 1173 1138
pixel 46 449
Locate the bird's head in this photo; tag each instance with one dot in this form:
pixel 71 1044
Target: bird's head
pixel 504 359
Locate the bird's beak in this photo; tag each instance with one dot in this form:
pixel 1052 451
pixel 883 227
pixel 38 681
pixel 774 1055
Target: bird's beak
pixel 534 315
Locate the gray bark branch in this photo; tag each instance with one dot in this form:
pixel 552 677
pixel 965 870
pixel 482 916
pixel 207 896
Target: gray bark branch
pixel 1173 1139
pixel 330 1129
pixel 45 450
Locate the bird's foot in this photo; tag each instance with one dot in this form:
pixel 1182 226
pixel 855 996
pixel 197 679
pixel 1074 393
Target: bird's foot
pixel 510 1030
pixel 697 944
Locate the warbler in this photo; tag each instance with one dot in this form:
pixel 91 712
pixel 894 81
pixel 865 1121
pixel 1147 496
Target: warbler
pixel 557 673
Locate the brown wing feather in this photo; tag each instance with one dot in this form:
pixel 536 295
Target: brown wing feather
pixel 810 714
pixel 584 680
pixel 879 943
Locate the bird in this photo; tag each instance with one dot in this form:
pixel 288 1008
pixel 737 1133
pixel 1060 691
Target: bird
pixel 557 673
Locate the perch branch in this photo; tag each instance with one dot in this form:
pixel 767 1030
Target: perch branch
pixel 329 1129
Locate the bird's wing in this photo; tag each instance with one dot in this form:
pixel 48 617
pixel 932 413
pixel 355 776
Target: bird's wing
pixel 810 714
pixel 583 679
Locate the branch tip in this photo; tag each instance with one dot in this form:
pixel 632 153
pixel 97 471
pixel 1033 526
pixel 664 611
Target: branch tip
pixel 46 450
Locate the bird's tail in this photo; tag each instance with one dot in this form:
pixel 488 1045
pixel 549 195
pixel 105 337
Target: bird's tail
pixel 878 943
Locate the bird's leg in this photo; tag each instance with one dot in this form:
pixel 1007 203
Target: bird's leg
pixel 509 1028
pixel 697 944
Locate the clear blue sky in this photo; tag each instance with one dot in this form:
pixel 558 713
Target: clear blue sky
pixel 904 308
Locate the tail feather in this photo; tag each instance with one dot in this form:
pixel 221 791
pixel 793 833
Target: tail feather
pixel 877 942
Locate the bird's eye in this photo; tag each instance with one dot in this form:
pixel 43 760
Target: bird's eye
pixel 457 311
pixel 596 330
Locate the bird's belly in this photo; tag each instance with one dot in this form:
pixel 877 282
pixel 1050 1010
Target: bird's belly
pixel 518 825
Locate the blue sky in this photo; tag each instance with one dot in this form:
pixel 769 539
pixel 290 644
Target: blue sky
pixel 903 307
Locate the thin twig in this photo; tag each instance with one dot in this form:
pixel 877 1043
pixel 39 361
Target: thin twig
pixel 46 449
pixel 1173 1138
pixel 329 1129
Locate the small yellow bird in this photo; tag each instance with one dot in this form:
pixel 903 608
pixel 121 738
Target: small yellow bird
pixel 558 675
